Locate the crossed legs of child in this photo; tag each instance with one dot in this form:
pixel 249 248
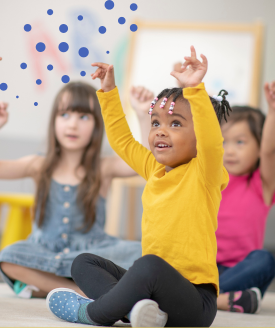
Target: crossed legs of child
pixel 116 291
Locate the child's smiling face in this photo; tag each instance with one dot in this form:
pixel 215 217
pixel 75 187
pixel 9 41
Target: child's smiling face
pixel 172 138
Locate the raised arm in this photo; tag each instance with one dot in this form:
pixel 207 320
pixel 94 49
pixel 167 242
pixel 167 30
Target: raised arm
pixel 267 162
pixel 206 125
pixel 119 135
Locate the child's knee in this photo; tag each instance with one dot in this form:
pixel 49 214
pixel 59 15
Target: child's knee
pixel 150 265
pixel 81 262
pixel 7 267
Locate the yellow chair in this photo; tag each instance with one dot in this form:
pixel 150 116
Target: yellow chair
pixel 19 219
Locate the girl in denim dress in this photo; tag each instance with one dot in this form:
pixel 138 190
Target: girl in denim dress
pixel 72 183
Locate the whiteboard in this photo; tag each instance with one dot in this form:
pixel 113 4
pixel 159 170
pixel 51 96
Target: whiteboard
pixel 233 53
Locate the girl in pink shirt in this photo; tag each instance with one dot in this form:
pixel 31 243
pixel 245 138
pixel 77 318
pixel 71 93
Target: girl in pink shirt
pixel 249 157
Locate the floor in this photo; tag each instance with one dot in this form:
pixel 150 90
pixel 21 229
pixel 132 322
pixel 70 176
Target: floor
pixel 15 312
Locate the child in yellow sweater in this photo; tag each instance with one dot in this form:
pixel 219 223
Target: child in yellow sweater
pixel 175 282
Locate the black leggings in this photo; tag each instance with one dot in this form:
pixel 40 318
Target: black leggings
pixel 116 290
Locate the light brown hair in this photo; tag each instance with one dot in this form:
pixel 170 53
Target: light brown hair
pixel 81 96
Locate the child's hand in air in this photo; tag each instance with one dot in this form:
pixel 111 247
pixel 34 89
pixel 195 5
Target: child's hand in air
pixel 269 89
pixel 106 75
pixel 3 114
pixel 140 99
pixel 193 70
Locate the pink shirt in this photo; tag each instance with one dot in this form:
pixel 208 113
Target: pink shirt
pixel 241 219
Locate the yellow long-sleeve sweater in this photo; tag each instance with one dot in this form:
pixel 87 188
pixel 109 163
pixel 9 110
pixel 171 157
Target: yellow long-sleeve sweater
pixel 180 207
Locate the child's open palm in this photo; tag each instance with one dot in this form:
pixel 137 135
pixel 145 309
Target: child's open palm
pixel 3 113
pixel 105 73
pixel 269 89
pixel 193 70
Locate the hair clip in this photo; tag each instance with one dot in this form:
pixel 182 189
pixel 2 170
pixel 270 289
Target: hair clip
pixel 152 105
pixel 218 98
pixel 163 102
pixel 172 105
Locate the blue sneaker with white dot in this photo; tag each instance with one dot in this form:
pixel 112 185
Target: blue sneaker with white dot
pixel 68 305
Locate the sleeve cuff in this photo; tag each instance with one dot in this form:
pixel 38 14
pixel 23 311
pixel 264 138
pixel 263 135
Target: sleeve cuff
pixel 107 95
pixel 191 90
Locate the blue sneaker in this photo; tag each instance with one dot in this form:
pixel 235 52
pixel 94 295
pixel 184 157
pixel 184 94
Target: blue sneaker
pixel 64 303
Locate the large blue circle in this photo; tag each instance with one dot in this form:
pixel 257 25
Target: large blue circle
pixel 63 28
pixel 102 29
pixel 17 96
pixel 83 52
pixel 133 6
pixel 38 81
pixel 121 20
pixel 107 52
pixel 133 27
pixel 40 47
pixel 23 65
pixel 63 46
pixel 50 67
pixel 80 17
pixel 109 4
pixel 82 73
pixel 27 27
pixel 36 103
pixel 3 86
pixel 50 12
pixel 65 79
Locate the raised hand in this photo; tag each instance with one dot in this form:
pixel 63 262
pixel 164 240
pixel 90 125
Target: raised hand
pixel 140 99
pixel 269 89
pixel 3 114
pixel 106 75
pixel 193 70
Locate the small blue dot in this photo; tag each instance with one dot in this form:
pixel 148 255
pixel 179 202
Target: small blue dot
pixel 27 27
pixel 50 12
pixel 102 29
pixel 38 81
pixel 63 28
pixel 40 47
pixel 36 103
pixel 80 17
pixel 63 46
pixel 133 6
pixel 83 52
pixel 23 65
pixel 65 79
pixel 3 86
pixel 17 96
pixel 133 27
pixel 107 52
pixel 82 73
pixel 50 67
pixel 109 4
pixel 121 20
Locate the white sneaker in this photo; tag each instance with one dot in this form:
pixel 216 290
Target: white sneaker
pixel 146 313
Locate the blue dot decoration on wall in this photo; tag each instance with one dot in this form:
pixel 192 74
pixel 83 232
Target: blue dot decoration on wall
pixel 27 27
pixel 36 103
pixel 82 73
pixel 50 67
pixel 121 20
pixel 23 65
pixel 107 52
pixel 38 81
pixel 133 27
pixel 83 52
pixel 17 97
pixel 63 46
pixel 65 79
pixel 3 86
pixel 102 29
pixel 50 12
pixel 63 28
pixel 109 4
pixel 40 47
pixel 80 17
pixel 133 7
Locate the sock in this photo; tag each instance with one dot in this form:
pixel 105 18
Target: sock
pixel 83 315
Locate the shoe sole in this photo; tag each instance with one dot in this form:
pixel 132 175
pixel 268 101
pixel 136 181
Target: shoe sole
pixel 259 298
pixel 60 290
pixel 146 313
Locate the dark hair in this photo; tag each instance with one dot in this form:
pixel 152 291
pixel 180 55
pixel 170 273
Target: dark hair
pixel 221 108
pixel 81 98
